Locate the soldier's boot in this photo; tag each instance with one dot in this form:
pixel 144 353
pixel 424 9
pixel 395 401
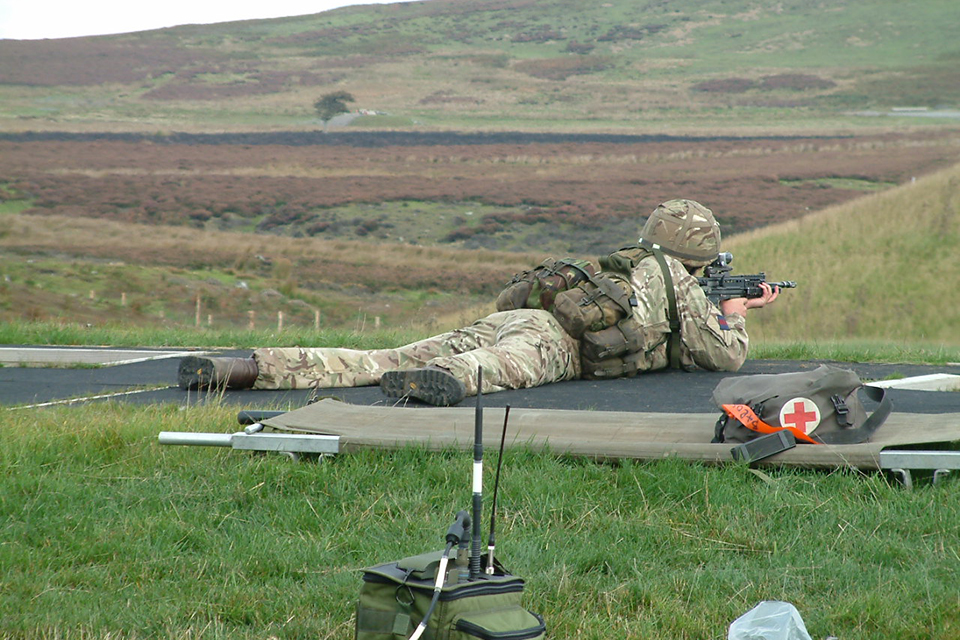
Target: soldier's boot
pixel 197 372
pixel 432 385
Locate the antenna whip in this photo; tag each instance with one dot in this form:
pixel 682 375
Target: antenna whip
pixel 477 479
pixel 491 543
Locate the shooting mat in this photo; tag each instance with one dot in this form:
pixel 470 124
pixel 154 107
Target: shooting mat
pixel 605 435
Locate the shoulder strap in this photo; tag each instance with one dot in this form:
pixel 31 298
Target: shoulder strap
pixel 673 345
pixel 871 424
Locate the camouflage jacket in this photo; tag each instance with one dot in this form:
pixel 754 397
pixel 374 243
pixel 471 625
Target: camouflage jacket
pixel 708 339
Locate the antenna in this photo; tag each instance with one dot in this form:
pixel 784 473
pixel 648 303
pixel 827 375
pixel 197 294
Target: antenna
pixel 477 479
pixel 491 544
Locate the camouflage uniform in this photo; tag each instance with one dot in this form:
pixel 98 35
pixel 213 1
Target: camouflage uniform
pixel 527 347
pixel 516 349
pixel 524 347
pixel 708 339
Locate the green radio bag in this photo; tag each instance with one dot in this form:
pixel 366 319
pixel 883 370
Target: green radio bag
pixel 395 596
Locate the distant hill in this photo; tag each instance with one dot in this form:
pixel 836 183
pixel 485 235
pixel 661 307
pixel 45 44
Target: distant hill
pixel 502 64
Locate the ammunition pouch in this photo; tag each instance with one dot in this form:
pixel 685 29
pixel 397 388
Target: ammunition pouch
pixel 624 366
pixel 395 597
pixel 624 337
pixel 624 260
pixel 621 350
pixel 600 302
pixel 599 312
pixel 537 288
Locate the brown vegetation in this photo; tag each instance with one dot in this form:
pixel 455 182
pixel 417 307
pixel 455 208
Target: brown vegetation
pixel 87 270
pixel 157 203
pixel 779 82
pixel 563 68
pixel 590 187
pixel 94 61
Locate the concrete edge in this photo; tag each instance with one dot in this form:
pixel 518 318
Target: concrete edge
pixel 931 382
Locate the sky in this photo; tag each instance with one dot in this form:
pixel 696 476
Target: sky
pixel 36 19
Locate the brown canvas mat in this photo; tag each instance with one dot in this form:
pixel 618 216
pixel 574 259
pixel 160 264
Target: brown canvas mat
pixel 600 434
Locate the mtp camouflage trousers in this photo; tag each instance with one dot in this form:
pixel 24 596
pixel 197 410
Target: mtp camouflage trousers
pixel 515 349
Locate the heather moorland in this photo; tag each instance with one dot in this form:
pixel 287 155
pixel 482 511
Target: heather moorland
pixel 182 174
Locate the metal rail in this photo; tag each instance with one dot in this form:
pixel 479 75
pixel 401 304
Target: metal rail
pixel 254 439
pixel 903 462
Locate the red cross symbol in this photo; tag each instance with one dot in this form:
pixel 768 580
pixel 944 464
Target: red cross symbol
pixel 800 413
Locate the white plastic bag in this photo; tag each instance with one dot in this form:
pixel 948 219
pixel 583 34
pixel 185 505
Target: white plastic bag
pixel 769 620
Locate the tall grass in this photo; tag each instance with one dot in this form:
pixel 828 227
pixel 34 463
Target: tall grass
pixel 130 273
pixel 106 534
pixel 129 335
pixel 881 267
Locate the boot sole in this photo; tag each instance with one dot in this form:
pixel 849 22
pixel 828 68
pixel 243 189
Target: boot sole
pixel 195 373
pixel 432 386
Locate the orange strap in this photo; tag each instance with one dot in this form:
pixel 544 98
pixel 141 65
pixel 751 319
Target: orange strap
pixel 745 416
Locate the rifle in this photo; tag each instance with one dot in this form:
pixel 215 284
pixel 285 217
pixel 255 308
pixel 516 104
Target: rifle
pixel 718 284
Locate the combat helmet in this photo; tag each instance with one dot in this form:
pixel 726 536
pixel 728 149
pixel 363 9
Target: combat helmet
pixel 684 229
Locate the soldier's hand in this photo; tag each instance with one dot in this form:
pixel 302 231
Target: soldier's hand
pixel 769 295
pixel 740 305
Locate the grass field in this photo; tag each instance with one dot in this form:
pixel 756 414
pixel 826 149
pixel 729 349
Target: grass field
pixel 109 535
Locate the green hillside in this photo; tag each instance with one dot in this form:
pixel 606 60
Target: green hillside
pixel 882 267
pixel 505 64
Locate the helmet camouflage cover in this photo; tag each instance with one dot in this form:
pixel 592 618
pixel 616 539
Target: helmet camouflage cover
pixel 684 229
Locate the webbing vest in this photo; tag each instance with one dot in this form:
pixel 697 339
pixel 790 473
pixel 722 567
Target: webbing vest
pixel 624 261
pixel 597 309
